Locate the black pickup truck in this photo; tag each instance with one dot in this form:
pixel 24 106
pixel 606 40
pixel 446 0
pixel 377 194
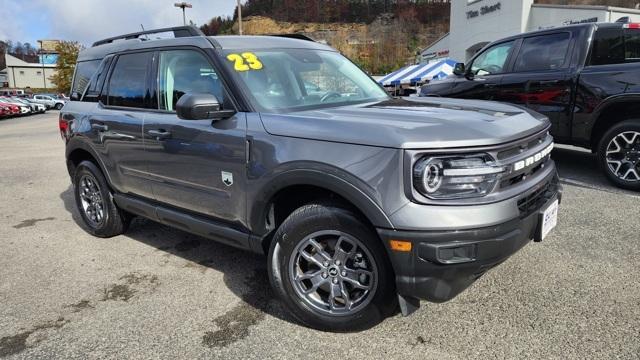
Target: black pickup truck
pixel 585 78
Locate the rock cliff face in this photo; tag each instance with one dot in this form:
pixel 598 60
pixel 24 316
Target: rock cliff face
pixel 379 47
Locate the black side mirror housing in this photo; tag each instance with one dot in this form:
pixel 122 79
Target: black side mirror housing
pixel 201 106
pixel 459 69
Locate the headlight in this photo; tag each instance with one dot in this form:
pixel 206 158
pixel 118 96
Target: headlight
pixel 456 176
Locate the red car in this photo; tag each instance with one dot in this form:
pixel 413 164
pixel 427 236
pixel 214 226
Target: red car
pixel 9 110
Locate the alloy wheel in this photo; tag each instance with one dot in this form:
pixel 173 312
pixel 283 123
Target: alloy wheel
pixel 333 272
pixel 623 156
pixel 91 200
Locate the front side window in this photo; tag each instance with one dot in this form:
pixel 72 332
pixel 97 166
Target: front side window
pixel 544 52
pixel 492 60
pixel 292 79
pixel 182 72
pixel 128 82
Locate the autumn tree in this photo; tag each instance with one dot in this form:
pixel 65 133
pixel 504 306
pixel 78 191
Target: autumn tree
pixel 67 56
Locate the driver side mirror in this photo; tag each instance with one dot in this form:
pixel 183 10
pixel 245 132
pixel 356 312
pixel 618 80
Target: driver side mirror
pixel 201 106
pixel 459 69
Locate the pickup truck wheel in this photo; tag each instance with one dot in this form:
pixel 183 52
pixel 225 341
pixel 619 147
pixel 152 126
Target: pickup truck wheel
pixel 94 200
pixel 330 270
pixel 619 154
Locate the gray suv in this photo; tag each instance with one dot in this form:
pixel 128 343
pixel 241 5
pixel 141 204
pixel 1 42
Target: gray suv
pixel 282 146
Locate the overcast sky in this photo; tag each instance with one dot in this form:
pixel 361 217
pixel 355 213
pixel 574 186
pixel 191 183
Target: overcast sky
pixel 89 20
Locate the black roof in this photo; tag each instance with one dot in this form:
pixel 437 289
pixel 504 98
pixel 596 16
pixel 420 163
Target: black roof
pixel 560 28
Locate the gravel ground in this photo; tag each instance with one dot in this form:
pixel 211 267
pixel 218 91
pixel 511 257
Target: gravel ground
pixel 157 292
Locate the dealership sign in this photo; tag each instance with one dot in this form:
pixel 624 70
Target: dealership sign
pixel 583 21
pixel 483 10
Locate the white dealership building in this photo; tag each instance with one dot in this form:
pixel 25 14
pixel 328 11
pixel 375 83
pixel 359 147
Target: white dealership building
pixel 475 23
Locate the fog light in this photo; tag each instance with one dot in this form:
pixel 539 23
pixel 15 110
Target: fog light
pixel 458 254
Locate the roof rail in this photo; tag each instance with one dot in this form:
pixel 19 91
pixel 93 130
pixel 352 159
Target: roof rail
pixel 178 31
pixel 294 36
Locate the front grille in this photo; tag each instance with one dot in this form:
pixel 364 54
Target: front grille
pixel 514 179
pixel 533 201
pixel 522 147
pixel 518 152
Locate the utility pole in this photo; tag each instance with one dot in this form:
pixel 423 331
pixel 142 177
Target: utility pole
pixel 239 18
pixel 44 78
pixel 183 5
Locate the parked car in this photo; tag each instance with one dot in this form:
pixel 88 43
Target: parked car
pixel 24 109
pixel 5 111
pixel 585 78
pixel 10 109
pixel 359 201
pixel 49 102
pixel 34 106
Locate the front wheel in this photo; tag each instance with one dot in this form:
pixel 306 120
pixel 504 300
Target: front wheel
pixel 58 106
pixel 619 154
pixel 331 270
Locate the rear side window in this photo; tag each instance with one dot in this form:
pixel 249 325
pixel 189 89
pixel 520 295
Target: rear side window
pixel 128 81
pixel 544 52
pixel 84 72
pixel 632 45
pixel 615 46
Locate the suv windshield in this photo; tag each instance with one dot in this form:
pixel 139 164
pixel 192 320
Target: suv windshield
pixel 290 79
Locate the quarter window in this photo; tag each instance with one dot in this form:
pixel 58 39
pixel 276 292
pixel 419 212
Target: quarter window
pixel 128 82
pixel 492 60
pixel 544 52
pixel 84 72
pixel 182 72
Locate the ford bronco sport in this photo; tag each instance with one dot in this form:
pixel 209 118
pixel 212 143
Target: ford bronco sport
pixel 585 78
pixel 282 146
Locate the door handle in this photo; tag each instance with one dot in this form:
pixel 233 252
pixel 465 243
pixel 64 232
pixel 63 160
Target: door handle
pixel 159 134
pixel 490 86
pixel 99 127
pixel 549 82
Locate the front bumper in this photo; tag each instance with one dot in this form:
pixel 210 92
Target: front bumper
pixel 441 264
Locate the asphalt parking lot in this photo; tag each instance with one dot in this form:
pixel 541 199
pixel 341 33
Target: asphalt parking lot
pixel 157 292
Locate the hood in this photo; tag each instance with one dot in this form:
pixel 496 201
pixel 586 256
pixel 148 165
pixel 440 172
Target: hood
pixel 411 123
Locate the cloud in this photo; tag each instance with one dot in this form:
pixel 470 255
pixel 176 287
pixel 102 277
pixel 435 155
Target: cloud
pixel 90 20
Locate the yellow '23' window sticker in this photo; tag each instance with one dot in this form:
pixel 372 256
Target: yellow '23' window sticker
pixel 245 61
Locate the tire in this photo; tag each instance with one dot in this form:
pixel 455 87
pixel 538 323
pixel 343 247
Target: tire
pixel 94 200
pixel 619 154
pixel 58 106
pixel 325 224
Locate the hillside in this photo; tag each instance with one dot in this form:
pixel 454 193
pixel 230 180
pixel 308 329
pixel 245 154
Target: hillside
pixel 379 47
pixel 379 35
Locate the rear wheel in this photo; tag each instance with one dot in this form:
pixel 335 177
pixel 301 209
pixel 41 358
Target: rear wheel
pixel 330 269
pixel 94 200
pixel 619 154
pixel 58 106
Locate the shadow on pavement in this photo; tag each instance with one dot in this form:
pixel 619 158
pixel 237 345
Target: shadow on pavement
pixel 579 167
pixel 245 273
